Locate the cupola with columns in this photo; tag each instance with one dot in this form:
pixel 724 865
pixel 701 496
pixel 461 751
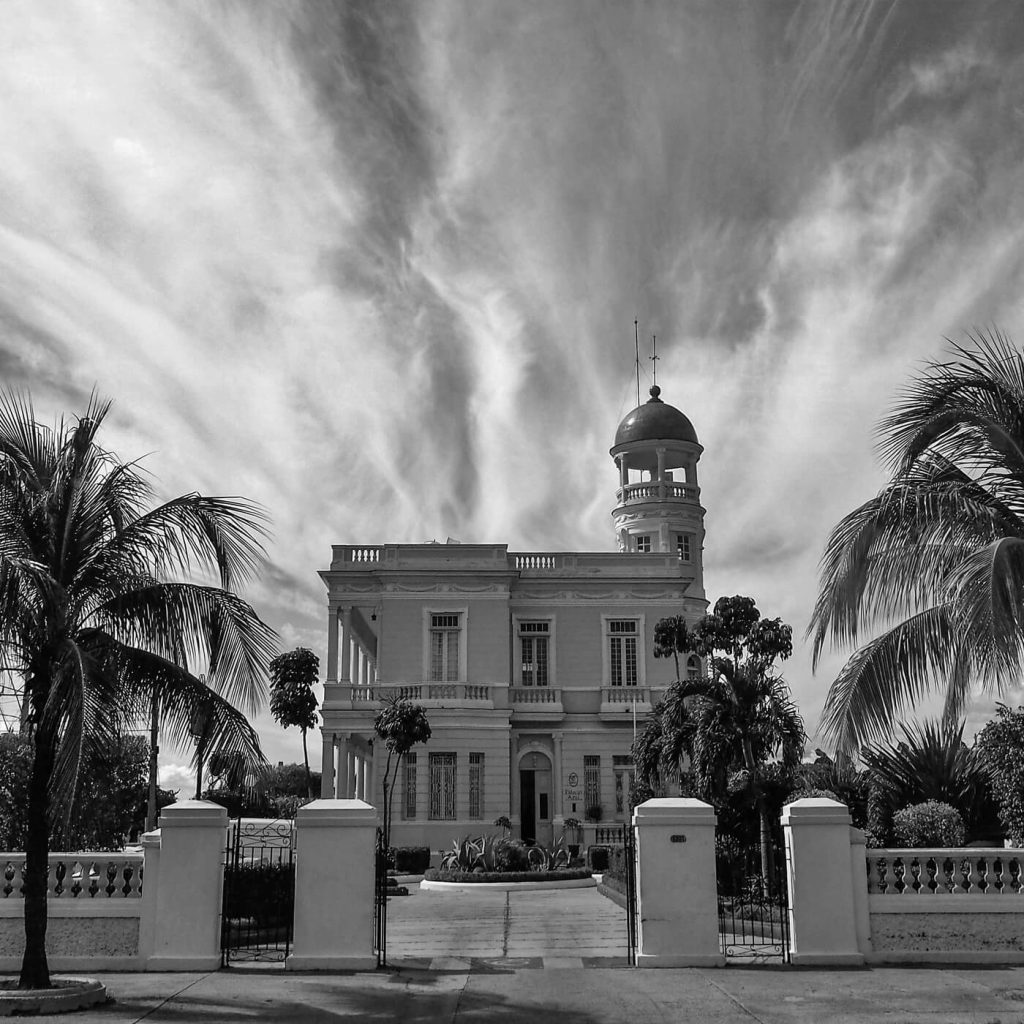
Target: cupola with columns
pixel 658 507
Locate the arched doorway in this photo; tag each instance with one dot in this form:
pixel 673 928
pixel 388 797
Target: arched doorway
pixel 535 797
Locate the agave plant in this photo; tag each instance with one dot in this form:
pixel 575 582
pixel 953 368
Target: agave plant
pixel 464 854
pixel 548 858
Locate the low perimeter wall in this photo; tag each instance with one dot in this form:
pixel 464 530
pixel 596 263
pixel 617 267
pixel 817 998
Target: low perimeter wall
pixel 94 908
pixel 945 906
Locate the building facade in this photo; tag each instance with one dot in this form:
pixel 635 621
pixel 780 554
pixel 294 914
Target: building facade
pixel 535 668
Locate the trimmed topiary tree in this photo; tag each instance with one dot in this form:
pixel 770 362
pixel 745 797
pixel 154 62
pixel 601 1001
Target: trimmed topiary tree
pixel 929 824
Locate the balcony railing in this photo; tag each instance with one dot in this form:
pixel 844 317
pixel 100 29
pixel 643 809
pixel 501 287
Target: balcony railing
pixel 626 695
pixel 660 491
pixel 421 691
pixel 534 695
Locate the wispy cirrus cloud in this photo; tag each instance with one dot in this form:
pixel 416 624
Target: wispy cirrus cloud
pixel 376 266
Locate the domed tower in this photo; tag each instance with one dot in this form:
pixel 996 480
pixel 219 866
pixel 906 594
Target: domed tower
pixel 656 450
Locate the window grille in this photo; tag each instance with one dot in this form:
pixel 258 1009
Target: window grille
pixel 624 772
pixel 643 543
pixel 591 781
pixel 409 791
pixel 442 786
pixel 476 785
pixel 444 648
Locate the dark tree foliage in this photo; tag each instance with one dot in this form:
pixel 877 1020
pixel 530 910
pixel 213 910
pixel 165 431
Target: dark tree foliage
pixel 931 763
pixel 109 807
pixel 719 732
pixel 292 700
pixel 401 725
pixel 1000 748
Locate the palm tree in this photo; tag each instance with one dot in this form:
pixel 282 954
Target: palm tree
pixel 933 564
pixel 98 628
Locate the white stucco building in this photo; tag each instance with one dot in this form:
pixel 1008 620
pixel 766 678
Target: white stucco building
pixel 532 666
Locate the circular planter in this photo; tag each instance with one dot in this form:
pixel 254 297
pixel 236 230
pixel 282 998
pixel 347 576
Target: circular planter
pixel 63 996
pixel 558 883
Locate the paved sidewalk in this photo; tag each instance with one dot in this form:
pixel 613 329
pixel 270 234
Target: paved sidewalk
pixel 604 996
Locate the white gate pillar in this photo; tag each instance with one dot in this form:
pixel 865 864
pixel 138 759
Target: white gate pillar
pixel 822 882
pixel 676 884
pixel 334 875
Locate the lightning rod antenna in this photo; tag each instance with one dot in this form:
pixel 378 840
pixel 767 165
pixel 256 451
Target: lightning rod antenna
pixel 655 357
pixel 636 344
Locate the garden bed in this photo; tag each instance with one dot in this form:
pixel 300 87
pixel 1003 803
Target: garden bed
pixel 568 878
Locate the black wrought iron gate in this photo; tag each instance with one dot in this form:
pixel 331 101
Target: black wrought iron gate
pixel 381 861
pixel 259 892
pixel 629 850
pixel 753 902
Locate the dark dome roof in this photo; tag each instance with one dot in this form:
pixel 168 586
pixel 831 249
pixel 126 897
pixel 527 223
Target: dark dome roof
pixel 655 421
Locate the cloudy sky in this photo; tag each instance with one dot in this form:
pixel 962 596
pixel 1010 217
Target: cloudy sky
pixel 375 264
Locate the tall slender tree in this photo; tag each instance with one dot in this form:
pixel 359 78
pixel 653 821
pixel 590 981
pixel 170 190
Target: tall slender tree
pixel 933 565
pixel 292 700
pixel 95 616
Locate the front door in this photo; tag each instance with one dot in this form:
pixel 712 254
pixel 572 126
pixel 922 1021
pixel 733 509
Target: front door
pixel 527 806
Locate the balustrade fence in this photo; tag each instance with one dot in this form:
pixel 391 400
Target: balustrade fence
pixel 937 872
pixel 78 875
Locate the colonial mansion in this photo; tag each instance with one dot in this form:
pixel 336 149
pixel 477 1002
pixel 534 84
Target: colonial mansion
pixel 535 668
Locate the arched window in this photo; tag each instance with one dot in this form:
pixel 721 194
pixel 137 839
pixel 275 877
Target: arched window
pixel 693 667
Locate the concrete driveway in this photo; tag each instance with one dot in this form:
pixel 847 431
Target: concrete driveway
pixel 560 927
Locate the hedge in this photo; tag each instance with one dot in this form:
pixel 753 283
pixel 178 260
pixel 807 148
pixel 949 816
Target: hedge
pixel 411 860
pixel 562 875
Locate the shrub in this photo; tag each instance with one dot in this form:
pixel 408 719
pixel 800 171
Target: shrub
pixel 929 824
pixel 262 892
pixel 807 794
pixel 411 860
pixel 511 855
pixel 617 864
pixel 598 857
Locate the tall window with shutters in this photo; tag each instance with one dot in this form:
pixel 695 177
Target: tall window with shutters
pixel 534 640
pixel 622 766
pixel 445 637
pixel 442 785
pixel 622 640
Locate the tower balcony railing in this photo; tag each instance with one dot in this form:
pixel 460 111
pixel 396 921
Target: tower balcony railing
pixel 658 490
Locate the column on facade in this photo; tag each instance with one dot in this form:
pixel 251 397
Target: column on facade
pixel 357 775
pixel 556 780
pixel 623 471
pixel 341 759
pixel 332 645
pixel 661 469
pixel 346 646
pixel 327 767
pixel 350 788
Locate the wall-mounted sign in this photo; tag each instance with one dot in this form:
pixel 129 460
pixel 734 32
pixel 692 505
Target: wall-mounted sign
pixel 574 793
pixel 573 780
pixel 677 839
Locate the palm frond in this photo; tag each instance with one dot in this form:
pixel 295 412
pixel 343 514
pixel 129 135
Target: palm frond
pixel 888 676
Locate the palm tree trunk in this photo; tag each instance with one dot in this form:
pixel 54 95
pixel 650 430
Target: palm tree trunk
pixel 154 752
pixel 35 970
